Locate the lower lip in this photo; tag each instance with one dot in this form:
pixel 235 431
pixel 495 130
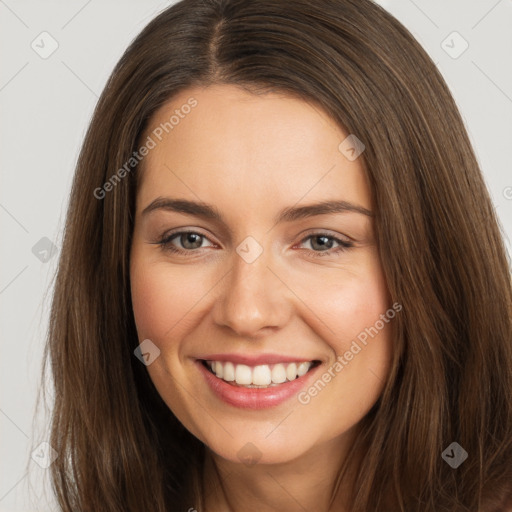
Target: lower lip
pixel 254 398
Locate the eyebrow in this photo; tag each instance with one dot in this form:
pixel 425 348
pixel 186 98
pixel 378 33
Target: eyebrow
pixel 289 214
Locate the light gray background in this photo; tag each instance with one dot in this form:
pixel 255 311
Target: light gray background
pixel 46 105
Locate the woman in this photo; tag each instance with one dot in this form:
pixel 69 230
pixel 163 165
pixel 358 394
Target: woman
pixel 338 335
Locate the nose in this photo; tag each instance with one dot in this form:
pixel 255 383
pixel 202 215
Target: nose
pixel 253 298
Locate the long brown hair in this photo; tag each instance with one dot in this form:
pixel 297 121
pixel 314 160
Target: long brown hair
pixel 120 447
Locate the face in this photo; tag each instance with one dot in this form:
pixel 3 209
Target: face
pixel 234 273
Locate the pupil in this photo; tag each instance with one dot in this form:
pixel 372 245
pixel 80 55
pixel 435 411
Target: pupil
pixel 189 237
pixel 323 244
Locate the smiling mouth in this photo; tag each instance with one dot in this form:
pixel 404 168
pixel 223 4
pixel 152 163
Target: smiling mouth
pixel 260 376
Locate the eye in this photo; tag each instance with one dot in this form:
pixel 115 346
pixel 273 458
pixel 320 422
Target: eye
pixel 322 244
pixel 189 241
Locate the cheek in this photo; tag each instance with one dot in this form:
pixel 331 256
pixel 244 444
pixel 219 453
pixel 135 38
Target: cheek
pixel 158 307
pixel 346 306
pixel 149 302
pixel 354 315
pixel 163 313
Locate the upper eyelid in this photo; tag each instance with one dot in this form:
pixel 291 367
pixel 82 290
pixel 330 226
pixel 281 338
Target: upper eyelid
pixel 171 234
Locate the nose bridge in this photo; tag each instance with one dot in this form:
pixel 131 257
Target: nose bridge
pixel 252 296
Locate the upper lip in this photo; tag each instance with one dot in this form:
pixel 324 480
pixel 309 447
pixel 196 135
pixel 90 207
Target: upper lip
pixel 254 360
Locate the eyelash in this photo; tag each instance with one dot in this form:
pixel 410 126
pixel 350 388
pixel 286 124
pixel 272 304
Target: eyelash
pixel 165 244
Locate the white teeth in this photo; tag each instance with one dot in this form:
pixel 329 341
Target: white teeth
pixel 243 374
pixel 291 371
pixel 228 371
pixel 218 369
pixel 258 376
pixel 278 374
pixel 261 375
pixel 303 368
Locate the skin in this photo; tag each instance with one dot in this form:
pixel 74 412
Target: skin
pixel 251 156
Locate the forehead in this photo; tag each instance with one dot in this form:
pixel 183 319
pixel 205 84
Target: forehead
pixel 223 143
